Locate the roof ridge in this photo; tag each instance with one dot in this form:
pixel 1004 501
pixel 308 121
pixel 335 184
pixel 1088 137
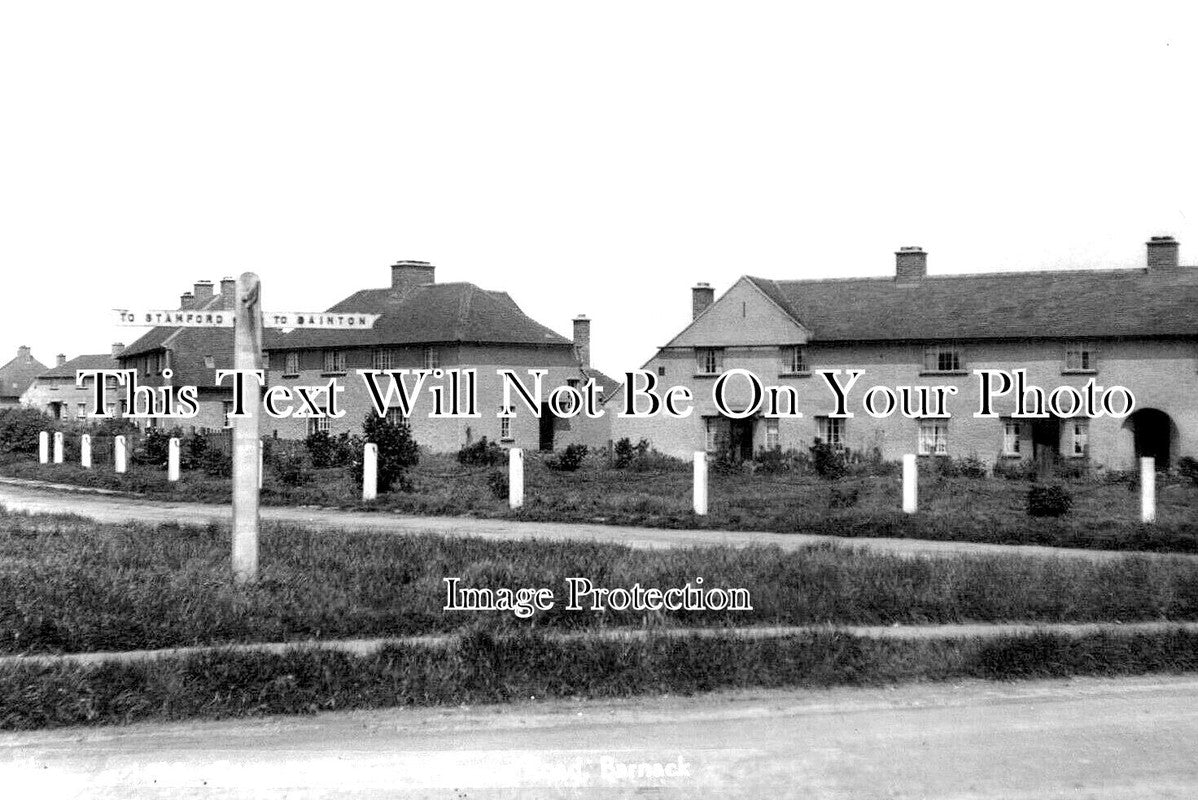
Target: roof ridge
pixel 1018 273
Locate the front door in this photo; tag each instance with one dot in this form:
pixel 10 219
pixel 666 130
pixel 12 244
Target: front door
pixel 547 420
pixel 741 439
pixel 1046 442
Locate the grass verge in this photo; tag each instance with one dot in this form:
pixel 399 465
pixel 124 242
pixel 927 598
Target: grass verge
pixel 481 668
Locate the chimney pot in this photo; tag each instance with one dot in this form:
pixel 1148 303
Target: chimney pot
pixel 202 291
pixel 408 274
pixel 228 292
pixel 23 352
pixel 1163 253
pixel 60 359
pixel 910 263
pixel 186 301
pixel 582 339
pixel 702 296
pixel 117 348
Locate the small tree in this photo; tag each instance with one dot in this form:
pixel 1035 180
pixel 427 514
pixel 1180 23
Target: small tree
pixel 397 451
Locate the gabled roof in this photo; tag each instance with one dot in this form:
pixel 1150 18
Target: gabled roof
pixel 1014 305
pixel 91 361
pixel 429 313
pixel 17 374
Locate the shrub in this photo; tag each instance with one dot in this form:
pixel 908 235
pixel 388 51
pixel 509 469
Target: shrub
pixel 1048 501
pixel 19 429
pixel 1187 467
pixel 215 463
pixel 193 451
pixel 291 468
pixel 498 484
pixel 1015 470
pixel 397 451
pixel 154 448
pixel 326 450
pixel 482 453
pixel 570 459
pixel 828 461
pixel 971 467
pixel 773 461
pixel 843 498
pixel 626 454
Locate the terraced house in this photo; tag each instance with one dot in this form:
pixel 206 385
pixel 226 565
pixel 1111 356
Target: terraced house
pixel 1137 328
pixel 56 393
pixel 439 326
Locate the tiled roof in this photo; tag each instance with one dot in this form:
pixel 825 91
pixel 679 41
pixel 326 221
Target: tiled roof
pixel 1019 305
pixel 17 374
pixel 92 361
pixel 429 313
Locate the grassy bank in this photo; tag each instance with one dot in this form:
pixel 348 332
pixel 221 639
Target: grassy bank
pixel 70 585
pixel 479 668
pixel 991 510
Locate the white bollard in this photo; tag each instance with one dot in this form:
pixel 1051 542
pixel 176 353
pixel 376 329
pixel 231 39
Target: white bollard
pixel 85 451
pixel 910 484
pixel 58 447
pixel 120 456
pixel 370 471
pixel 515 478
pixel 172 460
pixel 261 471
pixel 701 482
pixel 1148 490
pixel 43 447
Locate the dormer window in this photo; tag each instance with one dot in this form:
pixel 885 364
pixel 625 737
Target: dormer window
pixel 709 360
pixel 1080 358
pixel 794 360
pixel 943 358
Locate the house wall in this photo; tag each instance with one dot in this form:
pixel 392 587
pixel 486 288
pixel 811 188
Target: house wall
pixel 1161 374
pixel 43 393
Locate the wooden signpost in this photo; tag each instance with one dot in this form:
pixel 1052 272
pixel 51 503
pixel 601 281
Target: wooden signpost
pixel 248 321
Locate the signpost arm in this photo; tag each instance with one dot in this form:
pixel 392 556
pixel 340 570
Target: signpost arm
pixel 247 355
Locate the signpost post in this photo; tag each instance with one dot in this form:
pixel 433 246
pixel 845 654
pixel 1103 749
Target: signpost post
pixel 248 321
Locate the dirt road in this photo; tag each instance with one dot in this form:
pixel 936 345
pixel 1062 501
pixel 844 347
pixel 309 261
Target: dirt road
pixel 107 508
pixel 1130 738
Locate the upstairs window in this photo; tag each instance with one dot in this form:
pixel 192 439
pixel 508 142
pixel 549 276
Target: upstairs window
pixel 291 363
pixel 334 361
pixel 709 360
pixel 432 358
pixel 382 359
pixel 943 358
pixel 794 359
pixel 1080 358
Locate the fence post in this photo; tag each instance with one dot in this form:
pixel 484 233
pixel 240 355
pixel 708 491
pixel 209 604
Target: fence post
pixel 58 447
pixel 701 482
pixel 172 460
pixel 1148 489
pixel 910 484
pixel 43 447
pixel 119 455
pixel 85 451
pixel 370 471
pixel 515 478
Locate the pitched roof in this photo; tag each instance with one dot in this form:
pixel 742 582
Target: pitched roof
pixel 429 313
pixel 17 374
pixel 1017 305
pixel 91 361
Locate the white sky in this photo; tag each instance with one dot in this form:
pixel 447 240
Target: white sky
pixel 597 159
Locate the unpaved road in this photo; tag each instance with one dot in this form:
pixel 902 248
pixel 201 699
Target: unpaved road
pixel 1129 738
pixel 107 508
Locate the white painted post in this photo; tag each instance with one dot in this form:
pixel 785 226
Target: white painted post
pixel 85 451
pixel 261 469
pixel 370 471
pixel 58 447
pixel 119 455
pixel 910 484
pixel 515 478
pixel 172 460
pixel 1148 489
pixel 43 447
pixel 247 356
pixel 701 482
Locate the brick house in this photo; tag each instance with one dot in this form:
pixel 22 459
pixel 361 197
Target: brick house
pixel 1136 328
pixel 56 394
pixel 17 375
pixel 439 326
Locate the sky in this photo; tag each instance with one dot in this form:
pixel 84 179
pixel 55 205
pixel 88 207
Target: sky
pixel 585 158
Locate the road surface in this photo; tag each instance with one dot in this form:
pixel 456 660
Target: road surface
pixel 20 496
pixel 1128 738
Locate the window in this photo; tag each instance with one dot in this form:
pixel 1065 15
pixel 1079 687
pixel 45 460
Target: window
pixel 432 358
pixel 710 360
pixel 266 360
pixel 228 404
pixel 772 442
pixel 1079 433
pixel 933 437
pixel 661 371
pixel 395 416
pixel 1012 432
pixel 334 361
pixel 505 429
pixel 81 410
pixel 573 383
pixel 291 364
pixel 794 359
pixel 209 362
pixel 831 430
pixel 382 359
pixel 943 359
pixel 318 425
pixel 1080 358
pixel 712 434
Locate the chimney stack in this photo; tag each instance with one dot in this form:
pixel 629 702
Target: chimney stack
pixel 60 359
pixel 702 296
pixel 186 301
pixel 117 348
pixel 228 293
pixel 202 293
pixel 1162 253
pixel 582 339
pixel 23 352
pixel 910 264
pixel 407 274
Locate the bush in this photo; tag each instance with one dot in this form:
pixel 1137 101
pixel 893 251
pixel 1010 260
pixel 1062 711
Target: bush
pixel 291 468
pixel 626 454
pixel 1048 501
pixel 1015 469
pixel 828 461
pixel 1187 467
pixel 498 484
pixel 215 463
pixel 482 453
pixel 397 451
pixel 327 451
pixel 570 459
pixel 773 461
pixel 19 429
pixel 843 498
pixel 154 449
